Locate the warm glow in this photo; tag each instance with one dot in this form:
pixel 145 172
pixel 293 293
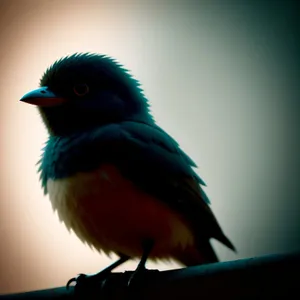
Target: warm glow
pixel 216 91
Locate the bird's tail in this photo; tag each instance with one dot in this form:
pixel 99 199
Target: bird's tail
pixel 197 255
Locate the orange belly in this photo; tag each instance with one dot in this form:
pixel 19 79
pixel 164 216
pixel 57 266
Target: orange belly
pixel 111 214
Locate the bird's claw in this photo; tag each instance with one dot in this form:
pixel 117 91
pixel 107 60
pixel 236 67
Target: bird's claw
pixel 135 278
pixel 139 276
pixel 87 284
pixel 78 279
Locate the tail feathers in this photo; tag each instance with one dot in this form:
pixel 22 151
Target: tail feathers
pixel 197 255
pixel 202 252
pixel 224 240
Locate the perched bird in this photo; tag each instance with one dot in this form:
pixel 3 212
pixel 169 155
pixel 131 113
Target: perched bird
pixel 115 178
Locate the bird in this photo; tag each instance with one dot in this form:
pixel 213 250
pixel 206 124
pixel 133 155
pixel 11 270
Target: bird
pixel 115 178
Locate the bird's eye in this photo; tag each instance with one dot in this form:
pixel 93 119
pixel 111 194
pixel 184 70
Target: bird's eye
pixel 81 89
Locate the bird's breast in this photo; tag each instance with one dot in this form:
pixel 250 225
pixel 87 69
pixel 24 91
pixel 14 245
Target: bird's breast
pixel 111 213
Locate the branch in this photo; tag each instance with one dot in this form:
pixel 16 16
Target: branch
pixel 262 277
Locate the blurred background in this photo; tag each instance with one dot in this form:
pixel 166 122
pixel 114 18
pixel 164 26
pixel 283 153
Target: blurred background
pixel 222 78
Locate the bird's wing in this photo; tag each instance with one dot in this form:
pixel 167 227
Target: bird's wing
pixel 147 156
pixel 153 160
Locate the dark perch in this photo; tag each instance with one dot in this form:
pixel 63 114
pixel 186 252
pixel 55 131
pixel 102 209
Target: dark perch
pixel 264 277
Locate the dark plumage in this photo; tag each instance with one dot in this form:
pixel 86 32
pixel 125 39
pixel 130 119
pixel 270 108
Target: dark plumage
pixel 98 121
pixel 113 94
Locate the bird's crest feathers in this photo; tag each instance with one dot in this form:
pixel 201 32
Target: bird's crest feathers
pixel 100 62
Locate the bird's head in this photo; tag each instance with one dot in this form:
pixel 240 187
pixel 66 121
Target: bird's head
pixel 83 91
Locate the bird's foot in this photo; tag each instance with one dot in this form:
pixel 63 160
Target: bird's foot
pixel 88 283
pixel 136 277
pixel 139 276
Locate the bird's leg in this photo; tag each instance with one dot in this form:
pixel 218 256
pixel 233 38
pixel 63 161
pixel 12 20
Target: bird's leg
pixel 141 268
pixel 83 280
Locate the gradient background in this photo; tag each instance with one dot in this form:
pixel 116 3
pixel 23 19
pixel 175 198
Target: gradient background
pixel 222 77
